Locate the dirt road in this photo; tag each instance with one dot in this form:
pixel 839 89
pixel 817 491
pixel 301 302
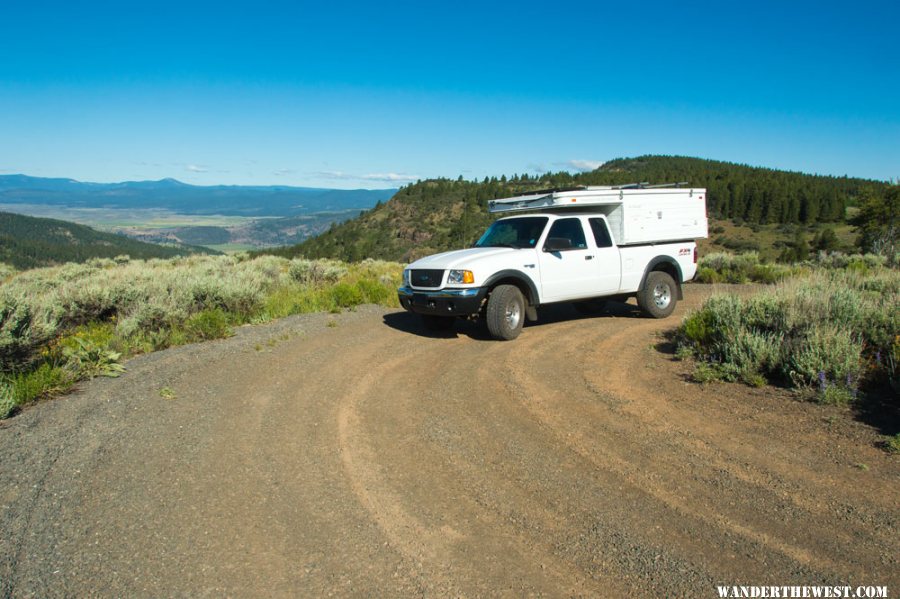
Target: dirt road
pixel 355 455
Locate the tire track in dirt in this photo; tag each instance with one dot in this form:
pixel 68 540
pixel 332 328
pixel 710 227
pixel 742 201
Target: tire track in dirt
pixel 439 542
pixel 539 398
pixel 780 466
pixel 612 364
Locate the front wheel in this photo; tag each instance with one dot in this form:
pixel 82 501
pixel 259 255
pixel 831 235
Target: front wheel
pixel 505 313
pixel 658 297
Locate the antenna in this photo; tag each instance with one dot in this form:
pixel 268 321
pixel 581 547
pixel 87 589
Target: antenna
pixel 676 185
pixel 646 185
pixel 630 186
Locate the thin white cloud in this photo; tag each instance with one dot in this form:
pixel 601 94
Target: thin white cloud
pixel 196 168
pixel 536 168
pixel 284 172
pixel 384 177
pixel 335 175
pixel 584 166
pixel 391 177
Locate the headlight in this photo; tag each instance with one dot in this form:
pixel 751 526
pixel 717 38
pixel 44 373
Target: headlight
pixel 458 277
pixel 406 277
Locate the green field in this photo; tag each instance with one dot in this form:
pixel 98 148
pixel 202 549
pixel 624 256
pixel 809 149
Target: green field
pixel 231 248
pixel 116 219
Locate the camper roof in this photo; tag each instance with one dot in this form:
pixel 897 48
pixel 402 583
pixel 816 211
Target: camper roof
pixel 574 197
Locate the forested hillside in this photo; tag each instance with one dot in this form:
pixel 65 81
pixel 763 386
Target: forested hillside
pixel 442 214
pixel 28 242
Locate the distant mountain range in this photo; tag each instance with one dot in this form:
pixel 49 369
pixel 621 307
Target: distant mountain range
pixel 170 194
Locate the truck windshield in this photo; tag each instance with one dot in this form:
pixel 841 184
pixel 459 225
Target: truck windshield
pixel 522 232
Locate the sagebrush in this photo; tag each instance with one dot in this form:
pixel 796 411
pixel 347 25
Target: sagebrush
pixel 830 329
pixel 723 267
pixel 81 318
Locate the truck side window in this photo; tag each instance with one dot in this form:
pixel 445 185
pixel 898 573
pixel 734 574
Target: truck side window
pixel 571 229
pixel 601 234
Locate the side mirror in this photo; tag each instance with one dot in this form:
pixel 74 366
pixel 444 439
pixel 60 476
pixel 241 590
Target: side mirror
pixel 557 244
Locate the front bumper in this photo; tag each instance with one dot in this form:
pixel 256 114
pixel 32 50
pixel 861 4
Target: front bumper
pixel 444 302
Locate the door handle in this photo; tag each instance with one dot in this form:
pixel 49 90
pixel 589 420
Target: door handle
pixel 588 257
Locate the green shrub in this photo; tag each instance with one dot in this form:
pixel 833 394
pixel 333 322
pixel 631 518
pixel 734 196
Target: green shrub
pixel 209 324
pixel 7 400
pixel 375 292
pixel 86 359
pixel 142 342
pixel 706 274
pixel 706 372
pixel 315 272
pixel 825 349
pixel 6 271
pixel 754 353
pixel 345 295
pixel 721 267
pixel 97 335
pixel 828 329
pixel 767 312
pixel 835 395
pixel 102 263
pixel 767 273
pixel 698 328
pixel 24 387
pixel 893 443
pixel 149 318
pixel 23 330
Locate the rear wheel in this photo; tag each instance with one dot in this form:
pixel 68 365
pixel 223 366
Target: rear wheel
pixel 659 295
pixel 505 315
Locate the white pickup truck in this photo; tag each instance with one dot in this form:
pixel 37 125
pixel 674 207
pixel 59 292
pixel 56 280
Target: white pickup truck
pixel 579 245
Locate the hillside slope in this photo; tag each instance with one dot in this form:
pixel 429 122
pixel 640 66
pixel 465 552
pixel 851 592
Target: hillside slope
pixel 443 214
pixel 29 242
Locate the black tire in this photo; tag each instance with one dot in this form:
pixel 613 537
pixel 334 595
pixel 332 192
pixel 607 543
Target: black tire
pixel 660 294
pixel 590 307
pixel 505 314
pixel 438 323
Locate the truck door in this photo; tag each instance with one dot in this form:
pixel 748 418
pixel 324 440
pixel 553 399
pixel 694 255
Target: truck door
pixel 607 260
pixel 567 263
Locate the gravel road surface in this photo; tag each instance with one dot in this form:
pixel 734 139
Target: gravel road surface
pixel 357 455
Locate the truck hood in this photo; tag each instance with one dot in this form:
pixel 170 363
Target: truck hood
pixel 469 258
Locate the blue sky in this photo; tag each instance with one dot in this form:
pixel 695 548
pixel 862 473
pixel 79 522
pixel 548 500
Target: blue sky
pixel 377 94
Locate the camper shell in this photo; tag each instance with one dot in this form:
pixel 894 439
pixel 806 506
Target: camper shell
pixel 635 214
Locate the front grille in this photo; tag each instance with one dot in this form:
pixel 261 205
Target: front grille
pixel 426 278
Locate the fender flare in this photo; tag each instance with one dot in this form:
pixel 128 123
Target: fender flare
pixel 668 260
pixel 533 296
